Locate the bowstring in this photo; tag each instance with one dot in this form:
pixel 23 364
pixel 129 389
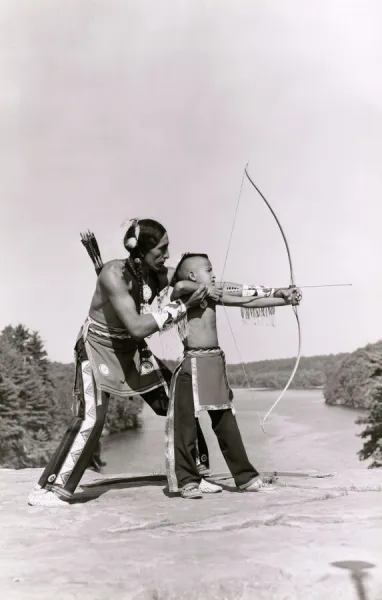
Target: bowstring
pixel 234 222
pixel 246 378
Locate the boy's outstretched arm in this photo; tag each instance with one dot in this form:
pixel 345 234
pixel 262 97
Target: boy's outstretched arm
pixel 238 290
pixel 267 297
pixel 227 300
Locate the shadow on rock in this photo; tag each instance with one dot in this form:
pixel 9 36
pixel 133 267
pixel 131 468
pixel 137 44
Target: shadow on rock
pixel 357 571
pixel 94 490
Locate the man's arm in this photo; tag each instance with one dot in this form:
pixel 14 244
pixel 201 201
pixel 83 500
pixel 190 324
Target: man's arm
pixel 185 288
pixel 141 326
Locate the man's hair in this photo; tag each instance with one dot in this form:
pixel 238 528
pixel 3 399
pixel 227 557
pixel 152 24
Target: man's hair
pixel 183 259
pixel 150 234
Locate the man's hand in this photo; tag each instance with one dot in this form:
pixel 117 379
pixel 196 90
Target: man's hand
pixel 197 297
pixel 291 295
pixel 214 293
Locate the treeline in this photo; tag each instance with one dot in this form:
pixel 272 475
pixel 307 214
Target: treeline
pixel 313 372
pixel 357 382
pixel 350 382
pixel 36 401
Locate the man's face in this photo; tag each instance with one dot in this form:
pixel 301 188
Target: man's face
pixel 156 257
pixel 203 272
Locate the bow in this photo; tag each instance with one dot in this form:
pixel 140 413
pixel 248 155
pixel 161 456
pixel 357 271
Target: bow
pixel 292 284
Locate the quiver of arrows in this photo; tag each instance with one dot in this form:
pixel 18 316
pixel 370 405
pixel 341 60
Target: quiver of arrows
pixel 88 239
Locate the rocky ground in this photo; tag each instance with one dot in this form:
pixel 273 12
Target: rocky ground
pixel 313 538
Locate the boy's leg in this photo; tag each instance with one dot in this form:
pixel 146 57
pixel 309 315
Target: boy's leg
pixel 231 444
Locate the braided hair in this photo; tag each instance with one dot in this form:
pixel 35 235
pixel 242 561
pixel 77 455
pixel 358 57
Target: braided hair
pixel 141 237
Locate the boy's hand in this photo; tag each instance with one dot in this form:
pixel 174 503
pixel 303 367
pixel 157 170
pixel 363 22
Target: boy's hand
pixel 214 293
pixel 291 295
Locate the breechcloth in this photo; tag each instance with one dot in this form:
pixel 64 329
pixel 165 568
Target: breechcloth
pixel 66 467
pixel 200 383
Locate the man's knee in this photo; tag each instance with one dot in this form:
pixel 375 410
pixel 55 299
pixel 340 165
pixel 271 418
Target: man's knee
pixel 158 401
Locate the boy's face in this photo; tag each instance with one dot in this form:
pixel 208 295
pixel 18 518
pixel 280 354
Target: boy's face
pixel 202 272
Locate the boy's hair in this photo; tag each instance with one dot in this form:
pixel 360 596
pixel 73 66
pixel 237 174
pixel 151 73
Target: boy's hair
pixel 184 257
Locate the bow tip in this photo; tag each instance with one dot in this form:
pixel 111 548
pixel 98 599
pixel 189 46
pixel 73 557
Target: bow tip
pixel 261 423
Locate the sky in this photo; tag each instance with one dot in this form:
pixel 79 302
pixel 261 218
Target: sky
pixel 113 109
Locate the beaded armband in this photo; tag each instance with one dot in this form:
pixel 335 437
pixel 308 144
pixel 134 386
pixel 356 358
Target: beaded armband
pixel 258 291
pixel 170 315
pixel 257 315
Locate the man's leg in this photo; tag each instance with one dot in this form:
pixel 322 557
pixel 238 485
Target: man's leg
pixel 231 444
pixel 82 449
pixel 202 455
pixel 68 464
pixel 96 463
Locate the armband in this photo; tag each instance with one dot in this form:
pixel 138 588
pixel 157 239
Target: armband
pixel 174 313
pixel 257 291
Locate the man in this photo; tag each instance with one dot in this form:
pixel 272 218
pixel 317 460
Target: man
pixel 200 382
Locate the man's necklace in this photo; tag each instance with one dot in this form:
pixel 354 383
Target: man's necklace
pixel 147 292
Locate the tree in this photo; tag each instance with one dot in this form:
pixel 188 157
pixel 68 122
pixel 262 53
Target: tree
pixel 36 399
pixel 350 383
pixel 30 345
pixel 12 434
pixel 372 448
pixel 26 363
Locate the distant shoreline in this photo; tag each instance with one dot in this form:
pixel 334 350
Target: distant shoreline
pixel 268 389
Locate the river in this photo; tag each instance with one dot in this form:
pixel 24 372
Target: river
pixel 302 433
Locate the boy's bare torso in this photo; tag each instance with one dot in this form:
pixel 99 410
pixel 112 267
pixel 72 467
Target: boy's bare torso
pixel 202 327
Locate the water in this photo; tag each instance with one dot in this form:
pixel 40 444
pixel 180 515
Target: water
pixel 302 433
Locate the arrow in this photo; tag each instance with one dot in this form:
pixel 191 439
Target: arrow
pixel 324 285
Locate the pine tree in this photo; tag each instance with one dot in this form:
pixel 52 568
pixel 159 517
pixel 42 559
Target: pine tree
pixel 27 364
pixel 18 336
pixel 12 434
pixel 9 400
pixel 372 448
pixel 37 354
pixel 10 362
pixel 30 345
pixel 36 402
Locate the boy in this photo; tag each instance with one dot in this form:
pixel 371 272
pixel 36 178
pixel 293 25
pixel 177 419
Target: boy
pixel 200 382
